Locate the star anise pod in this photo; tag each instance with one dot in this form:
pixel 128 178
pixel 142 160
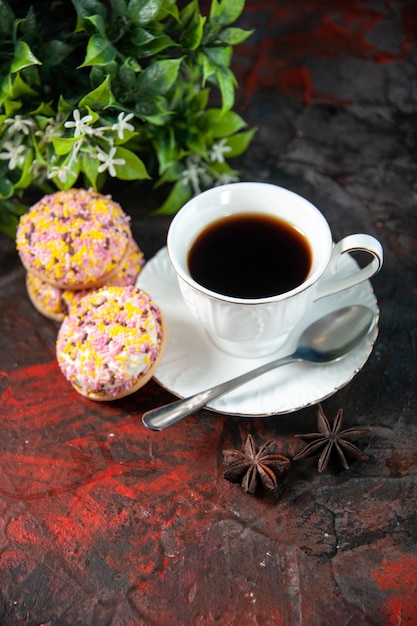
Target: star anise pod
pixel 329 437
pixel 251 466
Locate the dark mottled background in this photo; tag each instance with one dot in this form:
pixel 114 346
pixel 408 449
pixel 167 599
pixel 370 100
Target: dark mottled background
pixel 105 523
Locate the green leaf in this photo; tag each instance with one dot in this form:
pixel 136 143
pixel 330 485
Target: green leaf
pixel 64 106
pixel 143 11
pixel 64 145
pixel 10 210
pixel 99 72
pixel 71 176
pixel 128 136
pixel 98 22
pixel 240 142
pixel 119 7
pixel 207 68
pixel 215 68
pixel 85 8
pixel 221 124
pixel 220 55
pixel 197 144
pixel 223 168
pixel 8 222
pixel 20 89
pixel 226 80
pixel 193 36
pixel 26 175
pixel 90 167
pixel 56 51
pixel 27 26
pixel 166 148
pixel 157 45
pixel 6 20
pixel 200 100
pixel 127 74
pixel 44 109
pixel 99 98
pixel 234 36
pixel 133 169
pixel 188 13
pixel 11 106
pixel 147 57
pixel 6 88
pixel 148 106
pixel 226 11
pixel 23 57
pixel 100 51
pixel 6 187
pixel 169 7
pixel 171 175
pixel 159 119
pixel 42 156
pixel 141 36
pixel 178 196
pixel 159 77
pixel 95 116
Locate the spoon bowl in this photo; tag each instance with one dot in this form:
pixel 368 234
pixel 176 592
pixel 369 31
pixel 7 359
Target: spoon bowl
pixel 327 340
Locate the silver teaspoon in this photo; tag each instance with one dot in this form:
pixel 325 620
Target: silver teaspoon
pixel 328 339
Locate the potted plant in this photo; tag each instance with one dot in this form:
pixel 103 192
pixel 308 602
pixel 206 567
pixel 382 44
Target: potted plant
pixel 132 90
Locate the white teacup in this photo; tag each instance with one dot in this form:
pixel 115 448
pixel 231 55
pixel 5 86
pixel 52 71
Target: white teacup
pixel 253 327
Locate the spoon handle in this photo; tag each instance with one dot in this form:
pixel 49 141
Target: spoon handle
pixel 169 414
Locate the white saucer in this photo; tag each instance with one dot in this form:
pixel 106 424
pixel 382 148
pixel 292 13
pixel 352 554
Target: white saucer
pixel 191 362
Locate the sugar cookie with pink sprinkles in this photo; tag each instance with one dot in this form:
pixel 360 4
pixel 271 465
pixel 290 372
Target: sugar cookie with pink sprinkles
pixel 74 239
pixel 111 343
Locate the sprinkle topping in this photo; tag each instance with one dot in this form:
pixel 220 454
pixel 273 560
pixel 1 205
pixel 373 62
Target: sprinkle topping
pixel 73 238
pixel 48 297
pixel 111 337
pixel 125 275
pixel 56 303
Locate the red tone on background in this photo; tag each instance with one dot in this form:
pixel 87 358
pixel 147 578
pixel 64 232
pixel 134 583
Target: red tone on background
pixel 106 523
pixel 294 33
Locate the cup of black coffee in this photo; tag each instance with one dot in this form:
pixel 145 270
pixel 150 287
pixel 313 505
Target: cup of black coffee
pixel 250 259
pixel 280 256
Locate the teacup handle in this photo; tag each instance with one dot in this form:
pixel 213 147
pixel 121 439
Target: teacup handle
pixel 358 242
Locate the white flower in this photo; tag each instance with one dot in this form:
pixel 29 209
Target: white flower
pixel 75 150
pixel 191 174
pixel 51 130
pixel 60 172
pixel 53 125
pixel 122 124
pixel 218 150
pixel 225 179
pixel 12 152
pixel 207 178
pixel 18 124
pixel 39 171
pixel 108 161
pixel 100 131
pixel 80 124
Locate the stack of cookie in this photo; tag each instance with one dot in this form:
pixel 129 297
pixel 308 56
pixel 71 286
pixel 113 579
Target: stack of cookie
pixel 73 241
pixel 82 264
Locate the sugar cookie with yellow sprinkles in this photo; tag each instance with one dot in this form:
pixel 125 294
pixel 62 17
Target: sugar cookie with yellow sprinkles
pixel 111 342
pixel 46 298
pixel 74 239
pixel 55 303
pixel 125 276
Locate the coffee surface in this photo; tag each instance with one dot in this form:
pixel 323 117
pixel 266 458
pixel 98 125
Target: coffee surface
pixel 250 256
